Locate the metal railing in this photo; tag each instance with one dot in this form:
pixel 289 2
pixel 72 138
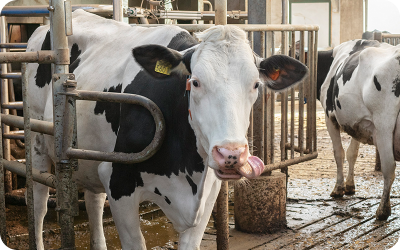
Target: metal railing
pixel 393 39
pixel 63 129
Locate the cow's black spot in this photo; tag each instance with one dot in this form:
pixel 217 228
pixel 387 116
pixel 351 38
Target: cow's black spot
pixel 396 86
pixel 167 200
pixel 349 65
pixel 187 58
pixel 329 95
pixel 182 41
pixel 338 104
pixel 192 184
pixel 332 93
pixel 43 73
pixel 325 59
pixel 74 60
pixel 377 84
pixel 178 153
pixel 362 44
pixel 111 109
pixel 157 192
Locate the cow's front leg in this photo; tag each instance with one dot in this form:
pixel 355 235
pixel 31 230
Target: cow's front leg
pixel 338 152
pixel 94 207
pixel 125 212
pixel 191 238
pixel 352 153
pixel 384 144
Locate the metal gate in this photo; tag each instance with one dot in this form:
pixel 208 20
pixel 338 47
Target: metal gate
pixel 297 141
pixel 393 39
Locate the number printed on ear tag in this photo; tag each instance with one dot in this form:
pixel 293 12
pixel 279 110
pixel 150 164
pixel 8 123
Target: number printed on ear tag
pixel 163 67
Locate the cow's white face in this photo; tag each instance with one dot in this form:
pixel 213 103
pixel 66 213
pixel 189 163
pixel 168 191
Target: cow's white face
pixel 224 86
pixel 224 80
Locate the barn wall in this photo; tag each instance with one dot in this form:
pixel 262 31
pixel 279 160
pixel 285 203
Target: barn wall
pixel 351 20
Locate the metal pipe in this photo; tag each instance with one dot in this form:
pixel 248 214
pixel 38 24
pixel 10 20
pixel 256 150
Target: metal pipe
pixel 272 113
pixel 210 7
pixel 222 200
pixel 4 99
pixel 10 75
pixel 28 158
pixel 284 12
pixel 315 69
pixel 245 27
pixel 12 105
pixel 292 102
pixel 285 164
pixel 38 176
pixel 310 98
pixel 125 158
pixel 66 189
pixel 13 45
pixel 118 10
pixel 221 12
pixel 36 125
pixel 14 135
pixel 301 97
pixel 32 57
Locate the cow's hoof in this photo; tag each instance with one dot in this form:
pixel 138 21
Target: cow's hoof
pixel 350 190
pixel 338 192
pixel 383 213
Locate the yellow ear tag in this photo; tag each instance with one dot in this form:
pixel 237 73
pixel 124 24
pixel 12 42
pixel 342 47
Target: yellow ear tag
pixel 163 67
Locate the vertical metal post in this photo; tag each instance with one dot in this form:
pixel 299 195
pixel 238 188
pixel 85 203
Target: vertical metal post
pixel 4 99
pixel 222 200
pixel 118 10
pixel 3 229
pixel 301 98
pixel 258 109
pixel 272 113
pixel 315 91
pixel 310 99
pixel 28 157
pixel 65 187
pixel 250 133
pixel 292 103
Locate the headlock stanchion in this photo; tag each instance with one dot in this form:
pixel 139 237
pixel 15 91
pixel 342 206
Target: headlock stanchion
pixel 63 128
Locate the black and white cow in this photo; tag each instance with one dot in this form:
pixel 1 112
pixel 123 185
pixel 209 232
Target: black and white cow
pixel 359 88
pixel 199 150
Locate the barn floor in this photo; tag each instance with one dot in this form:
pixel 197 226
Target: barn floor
pixel 314 219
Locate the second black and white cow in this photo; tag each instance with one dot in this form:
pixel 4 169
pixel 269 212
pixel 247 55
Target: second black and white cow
pixel 199 150
pixel 359 88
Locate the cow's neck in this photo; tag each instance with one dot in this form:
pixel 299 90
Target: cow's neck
pixel 325 59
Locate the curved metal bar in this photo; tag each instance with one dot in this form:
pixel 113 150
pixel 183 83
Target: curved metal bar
pixel 125 158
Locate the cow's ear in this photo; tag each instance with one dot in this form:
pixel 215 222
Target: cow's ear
pixel 160 61
pixel 280 72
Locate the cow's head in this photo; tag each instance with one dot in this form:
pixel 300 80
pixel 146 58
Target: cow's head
pixel 225 78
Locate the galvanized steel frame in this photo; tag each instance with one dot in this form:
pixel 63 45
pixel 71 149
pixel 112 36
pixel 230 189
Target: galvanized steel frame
pixel 64 127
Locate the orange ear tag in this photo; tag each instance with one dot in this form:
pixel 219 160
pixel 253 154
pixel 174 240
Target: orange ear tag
pixel 274 75
pixel 188 87
pixel 188 84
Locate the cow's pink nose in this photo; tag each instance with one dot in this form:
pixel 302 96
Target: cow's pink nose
pixel 230 158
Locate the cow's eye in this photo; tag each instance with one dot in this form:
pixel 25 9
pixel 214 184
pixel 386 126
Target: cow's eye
pixel 195 83
pixel 256 85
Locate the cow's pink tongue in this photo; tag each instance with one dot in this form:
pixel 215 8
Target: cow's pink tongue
pixel 253 168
